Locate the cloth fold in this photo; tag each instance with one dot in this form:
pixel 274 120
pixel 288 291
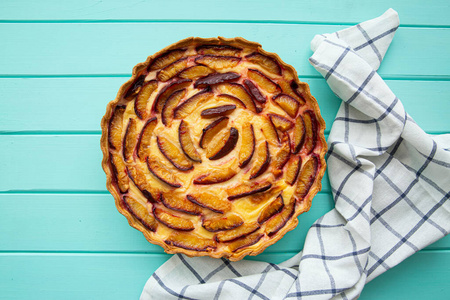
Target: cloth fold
pixel 389 181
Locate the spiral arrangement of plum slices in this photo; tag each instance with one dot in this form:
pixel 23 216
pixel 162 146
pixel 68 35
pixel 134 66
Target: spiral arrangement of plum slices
pixel 213 148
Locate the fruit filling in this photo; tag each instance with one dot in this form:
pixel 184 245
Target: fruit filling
pixel 214 148
pixel 210 201
pixel 228 222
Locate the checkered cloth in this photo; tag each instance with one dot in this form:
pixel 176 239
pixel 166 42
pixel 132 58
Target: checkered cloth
pixel 390 182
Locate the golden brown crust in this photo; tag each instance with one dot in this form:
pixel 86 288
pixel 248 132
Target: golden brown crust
pixel 302 205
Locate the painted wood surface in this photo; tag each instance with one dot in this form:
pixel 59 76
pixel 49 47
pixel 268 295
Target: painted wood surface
pixel 414 12
pixel 114 48
pixel 62 62
pixel 23 111
pixel 121 276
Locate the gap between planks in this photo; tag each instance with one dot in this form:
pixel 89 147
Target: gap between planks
pixel 96 253
pixel 95 132
pixel 81 21
pixel 128 75
pixel 73 192
pixel 126 253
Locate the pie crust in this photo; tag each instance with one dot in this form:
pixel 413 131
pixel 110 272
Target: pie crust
pixel 213 147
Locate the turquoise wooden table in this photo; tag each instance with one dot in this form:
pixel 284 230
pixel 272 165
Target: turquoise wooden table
pixel 61 236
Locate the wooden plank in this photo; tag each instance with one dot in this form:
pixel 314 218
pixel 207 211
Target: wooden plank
pixel 425 102
pixel 49 104
pixel 42 162
pixel 76 276
pixel 411 12
pixel 83 276
pixel 114 48
pixel 82 107
pixel 85 102
pixel 87 222
pixel 122 276
pixel 56 163
pixel 442 244
pixel 424 275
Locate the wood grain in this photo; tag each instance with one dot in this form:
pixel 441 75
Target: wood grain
pixel 122 276
pixel 85 102
pixel 56 162
pixel 413 12
pixel 61 236
pixel 90 222
pixel 115 48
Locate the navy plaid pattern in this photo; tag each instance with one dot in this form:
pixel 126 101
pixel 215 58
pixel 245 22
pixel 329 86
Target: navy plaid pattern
pixel 389 181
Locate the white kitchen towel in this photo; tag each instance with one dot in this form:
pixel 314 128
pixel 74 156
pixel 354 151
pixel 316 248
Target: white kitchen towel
pixel 390 182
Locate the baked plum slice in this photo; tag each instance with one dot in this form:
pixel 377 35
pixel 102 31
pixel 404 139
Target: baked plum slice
pixel 254 91
pixel 279 220
pixel 218 62
pixel 247 145
pixel 140 212
pixel 306 177
pixel 115 128
pixel 291 90
pixel 230 99
pixel 298 135
pixel 269 131
pixel 139 179
pixel 210 131
pixel 143 145
pixel 245 241
pixel 161 172
pixel 178 203
pixel 189 241
pixel 210 201
pixel 265 197
pixel 218 49
pixel 247 189
pixel 188 106
pixel 167 90
pixel 218 111
pixel 170 105
pixel 140 104
pixel 263 81
pixel 195 72
pixel 215 176
pixel 130 139
pixel 221 223
pixel 288 104
pixel 238 232
pixel 135 87
pixel 166 59
pixel 171 70
pixel 173 154
pixel 270 210
pixel 266 62
pixel 216 78
pixel 171 220
pixel 119 172
pixel 221 145
pixel 281 123
pixel 238 91
pixel 262 160
pixel 292 170
pixel 310 131
pixel 280 158
pixel 187 145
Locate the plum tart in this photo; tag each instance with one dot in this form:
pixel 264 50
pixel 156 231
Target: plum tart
pixel 213 147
